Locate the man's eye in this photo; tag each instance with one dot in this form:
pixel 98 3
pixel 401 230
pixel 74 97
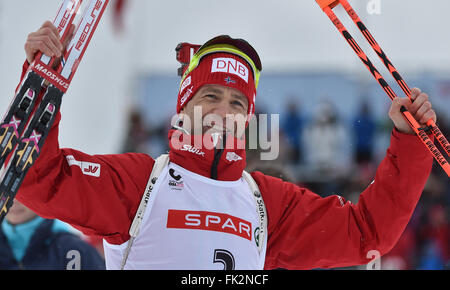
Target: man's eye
pixel 211 96
pixel 237 103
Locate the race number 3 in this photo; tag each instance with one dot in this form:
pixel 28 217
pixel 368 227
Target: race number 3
pixel 224 257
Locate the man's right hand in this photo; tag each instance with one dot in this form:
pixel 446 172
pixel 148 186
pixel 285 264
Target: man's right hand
pixel 47 41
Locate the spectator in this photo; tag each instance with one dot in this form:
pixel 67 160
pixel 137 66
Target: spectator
pixel 325 139
pixel 292 125
pixel 436 234
pixel 29 242
pixel 432 257
pixel 364 130
pixel 137 135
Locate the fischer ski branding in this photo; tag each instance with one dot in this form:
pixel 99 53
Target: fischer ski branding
pixel 22 132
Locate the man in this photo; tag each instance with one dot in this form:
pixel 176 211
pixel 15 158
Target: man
pixel 29 242
pixel 201 212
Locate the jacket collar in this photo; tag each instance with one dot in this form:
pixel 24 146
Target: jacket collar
pixel 198 154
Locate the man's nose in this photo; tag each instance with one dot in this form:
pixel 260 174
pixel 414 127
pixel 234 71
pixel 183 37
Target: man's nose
pixel 222 109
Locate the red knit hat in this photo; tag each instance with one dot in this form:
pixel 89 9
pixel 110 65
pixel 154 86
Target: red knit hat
pixel 223 67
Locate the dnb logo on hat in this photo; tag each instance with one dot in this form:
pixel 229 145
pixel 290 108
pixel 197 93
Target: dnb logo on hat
pixel 231 66
pixel 222 61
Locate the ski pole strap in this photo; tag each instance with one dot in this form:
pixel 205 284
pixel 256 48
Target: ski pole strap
pixel 327 6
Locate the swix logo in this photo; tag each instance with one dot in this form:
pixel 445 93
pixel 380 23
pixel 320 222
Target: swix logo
pixel 231 156
pixel 231 66
pixel 50 76
pixel 209 221
pixel 69 10
pixel 193 150
pixel 87 168
pixel 87 28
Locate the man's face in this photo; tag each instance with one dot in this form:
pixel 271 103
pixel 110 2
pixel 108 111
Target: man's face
pixel 216 108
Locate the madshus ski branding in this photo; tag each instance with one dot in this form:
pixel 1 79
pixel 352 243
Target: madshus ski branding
pixel 56 79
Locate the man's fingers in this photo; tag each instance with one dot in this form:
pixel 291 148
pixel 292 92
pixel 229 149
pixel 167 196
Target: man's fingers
pixel 397 104
pixel 48 24
pixel 52 36
pixel 425 108
pixel 420 108
pixel 418 102
pixel 55 39
pixel 71 34
pixel 415 92
pixel 429 115
pixel 43 46
pixel 44 42
pixel 396 115
pixel 48 41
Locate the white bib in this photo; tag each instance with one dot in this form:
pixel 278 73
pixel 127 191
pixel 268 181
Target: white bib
pixel 193 222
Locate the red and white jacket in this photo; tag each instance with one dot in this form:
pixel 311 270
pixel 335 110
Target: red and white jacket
pixel 99 195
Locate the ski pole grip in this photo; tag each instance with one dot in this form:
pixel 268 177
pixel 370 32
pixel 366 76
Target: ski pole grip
pixel 327 3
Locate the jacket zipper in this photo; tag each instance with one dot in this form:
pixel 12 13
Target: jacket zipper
pixel 217 154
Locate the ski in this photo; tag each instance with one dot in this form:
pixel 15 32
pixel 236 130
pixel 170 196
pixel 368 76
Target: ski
pixel 23 103
pixel 37 125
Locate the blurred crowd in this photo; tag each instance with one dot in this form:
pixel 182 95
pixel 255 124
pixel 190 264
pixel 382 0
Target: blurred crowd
pixel 331 155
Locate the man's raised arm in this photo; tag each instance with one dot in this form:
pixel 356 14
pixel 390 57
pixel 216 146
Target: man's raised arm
pixel 307 231
pixel 98 195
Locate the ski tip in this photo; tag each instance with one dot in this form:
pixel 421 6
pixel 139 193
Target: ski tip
pixel 327 3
